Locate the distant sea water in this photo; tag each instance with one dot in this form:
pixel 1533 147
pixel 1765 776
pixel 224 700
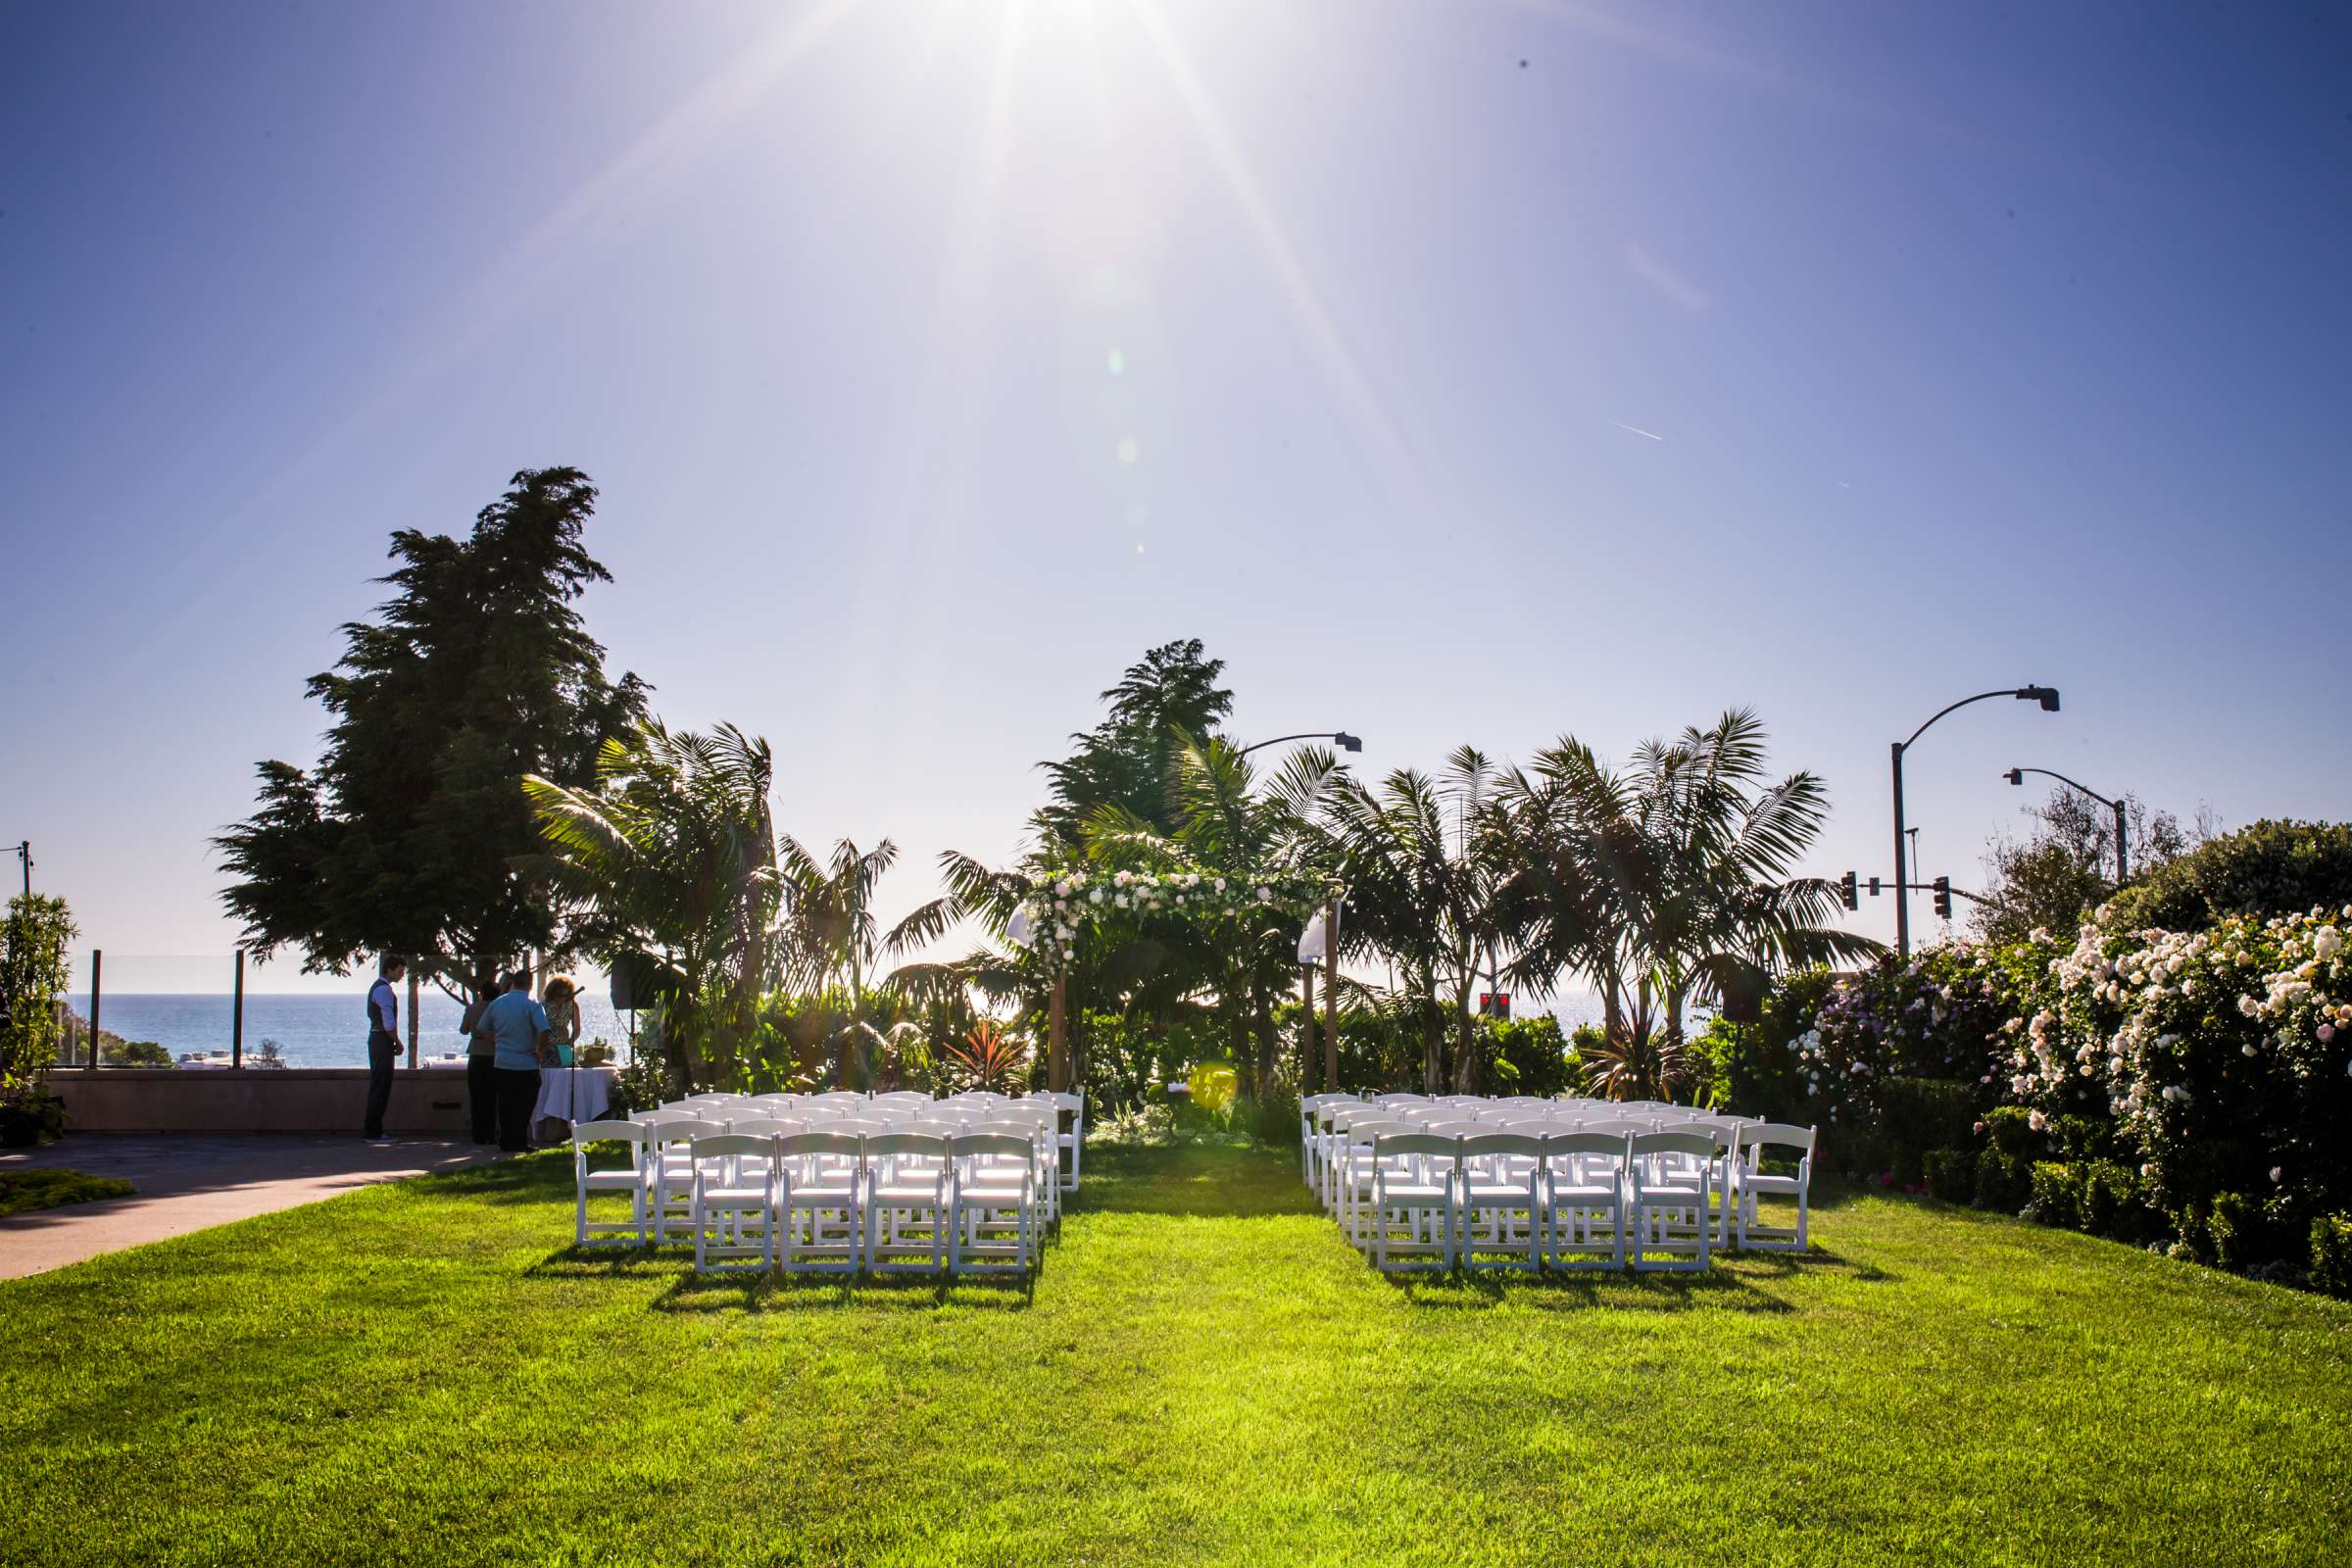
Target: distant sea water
pixel 311 1030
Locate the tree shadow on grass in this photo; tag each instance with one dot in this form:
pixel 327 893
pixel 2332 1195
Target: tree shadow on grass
pixel 693 1293
pixel 1657 1291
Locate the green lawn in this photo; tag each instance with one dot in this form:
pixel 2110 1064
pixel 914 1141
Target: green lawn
pixel 425 1373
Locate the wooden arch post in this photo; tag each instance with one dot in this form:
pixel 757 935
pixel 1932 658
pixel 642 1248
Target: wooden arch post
pixel 1331 997
pixel 1058 1052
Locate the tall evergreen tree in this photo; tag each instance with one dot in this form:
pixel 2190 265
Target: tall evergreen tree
pixel 1133 760
pixel 477 670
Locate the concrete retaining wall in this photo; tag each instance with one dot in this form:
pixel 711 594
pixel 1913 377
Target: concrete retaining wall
pixel 279 1099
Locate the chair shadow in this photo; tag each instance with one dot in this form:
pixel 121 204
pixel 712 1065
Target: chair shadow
pixel 1655 1291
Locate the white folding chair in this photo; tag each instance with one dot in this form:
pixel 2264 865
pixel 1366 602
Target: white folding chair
pixel 1672 1179
pixel 669 1168
pixel 629 1183
pixel 907 1213
pixel 734 1211
pixel 1584 1199
pixel 1752 1182
pixel 1415 1176
pixel 992 1200
pixel 1500 1208
pixel 1074 1142
pixel 823 1213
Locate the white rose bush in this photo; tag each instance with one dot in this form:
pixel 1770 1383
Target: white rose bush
pixel 2201 1080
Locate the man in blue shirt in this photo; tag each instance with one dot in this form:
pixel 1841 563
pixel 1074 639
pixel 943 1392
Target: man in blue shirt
pixel 518 1026
pixel 384 1043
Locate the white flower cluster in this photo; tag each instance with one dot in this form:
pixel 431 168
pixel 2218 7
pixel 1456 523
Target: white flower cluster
pixel 1057 912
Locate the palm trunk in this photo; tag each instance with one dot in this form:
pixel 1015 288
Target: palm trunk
pixel 1466 1050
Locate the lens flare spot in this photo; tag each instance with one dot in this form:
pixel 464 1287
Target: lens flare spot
pixel 1116 362
pixel 1130 452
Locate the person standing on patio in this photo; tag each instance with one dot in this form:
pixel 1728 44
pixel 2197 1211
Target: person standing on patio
pixel 482 1066
pixel 384 1043
pixel 518 1025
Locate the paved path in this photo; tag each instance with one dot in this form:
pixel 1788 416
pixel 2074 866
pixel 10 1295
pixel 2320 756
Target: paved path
pixel 188 1183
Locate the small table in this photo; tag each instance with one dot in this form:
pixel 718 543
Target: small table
pixel 574 1094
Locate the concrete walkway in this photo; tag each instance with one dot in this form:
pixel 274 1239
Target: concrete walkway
pixel 190 1182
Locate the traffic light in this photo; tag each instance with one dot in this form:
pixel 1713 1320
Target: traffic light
pixel 1944 898
pixel 1874 887
pixel 1846 893
pixel 1495 1005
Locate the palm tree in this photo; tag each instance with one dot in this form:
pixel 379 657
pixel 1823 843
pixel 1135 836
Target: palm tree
pixel 830 942
pixel 1419 858
pixel 672 851
pixel 1664 882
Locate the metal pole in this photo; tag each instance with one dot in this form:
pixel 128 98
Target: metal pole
pixel 1057 1064
pixel 24 859
pixel 414 986
pixel 97 965
pixel 2123 867
pixel 1902 893
pixel 236 1017
pixel 1331 998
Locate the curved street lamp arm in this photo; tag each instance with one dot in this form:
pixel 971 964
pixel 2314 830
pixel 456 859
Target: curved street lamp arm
pixel 2069 783
pixel 2007 691
pixel 1308 735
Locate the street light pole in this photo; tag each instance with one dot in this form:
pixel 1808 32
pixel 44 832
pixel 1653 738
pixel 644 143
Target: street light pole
pixel 2123 864
pixel 2046 696
pixel 1341 739
pixel 24 859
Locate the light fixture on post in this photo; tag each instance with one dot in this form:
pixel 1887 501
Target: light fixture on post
pixel 2123 864
pixel 2046 696
pixel 1338 738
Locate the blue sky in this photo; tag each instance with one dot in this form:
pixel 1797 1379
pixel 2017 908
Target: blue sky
pixel 934 360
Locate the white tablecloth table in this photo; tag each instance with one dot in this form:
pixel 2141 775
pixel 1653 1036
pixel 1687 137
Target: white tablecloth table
pixel 561 1098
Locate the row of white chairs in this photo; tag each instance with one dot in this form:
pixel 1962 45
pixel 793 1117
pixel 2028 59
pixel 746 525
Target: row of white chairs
pixel 1424 1182
pixel 833 1183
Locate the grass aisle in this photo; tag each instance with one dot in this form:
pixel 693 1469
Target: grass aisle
pixel 1205 1373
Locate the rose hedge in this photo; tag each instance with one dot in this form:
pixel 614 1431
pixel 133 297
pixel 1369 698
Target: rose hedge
pixel 2215 1067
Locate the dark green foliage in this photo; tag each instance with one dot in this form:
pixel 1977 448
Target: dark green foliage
pixel 32 976
pixel 23 1191
pixel 2246 1233
pixel 2004 1181
pixel 2111 1201
pixel 477 672
pixel 1917 1116
pixel 2269 869
pixel 2331 1255
pixel 1951 1174
pixel 2057 1193
pixel 1524 1056
pixel 1129 760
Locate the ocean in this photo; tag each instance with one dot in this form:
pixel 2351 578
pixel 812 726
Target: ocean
pixel 311 1030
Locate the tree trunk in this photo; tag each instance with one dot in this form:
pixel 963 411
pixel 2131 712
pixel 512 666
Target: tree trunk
pixel 1465 1052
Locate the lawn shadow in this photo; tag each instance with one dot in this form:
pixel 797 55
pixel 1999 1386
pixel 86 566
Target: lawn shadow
pixel 1654 1291
pixel 693 1293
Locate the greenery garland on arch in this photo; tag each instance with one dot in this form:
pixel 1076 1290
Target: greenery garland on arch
pixel 1059 907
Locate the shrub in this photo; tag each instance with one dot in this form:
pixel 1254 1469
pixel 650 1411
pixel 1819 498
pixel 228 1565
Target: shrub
pixel 1271 1118
pixel 2331 1255
pixel 23 1191
pixel 2245 1233
pixel 2004 1181
pixel 2110 1199
pixel 1951 1174
pixel 2268 868
pixel 2057 1194
pixel 1917 1116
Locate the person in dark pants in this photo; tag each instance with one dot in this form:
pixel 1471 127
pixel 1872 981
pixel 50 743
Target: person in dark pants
pixel 482 1066
pixel 518 1025
pixel 384 1043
